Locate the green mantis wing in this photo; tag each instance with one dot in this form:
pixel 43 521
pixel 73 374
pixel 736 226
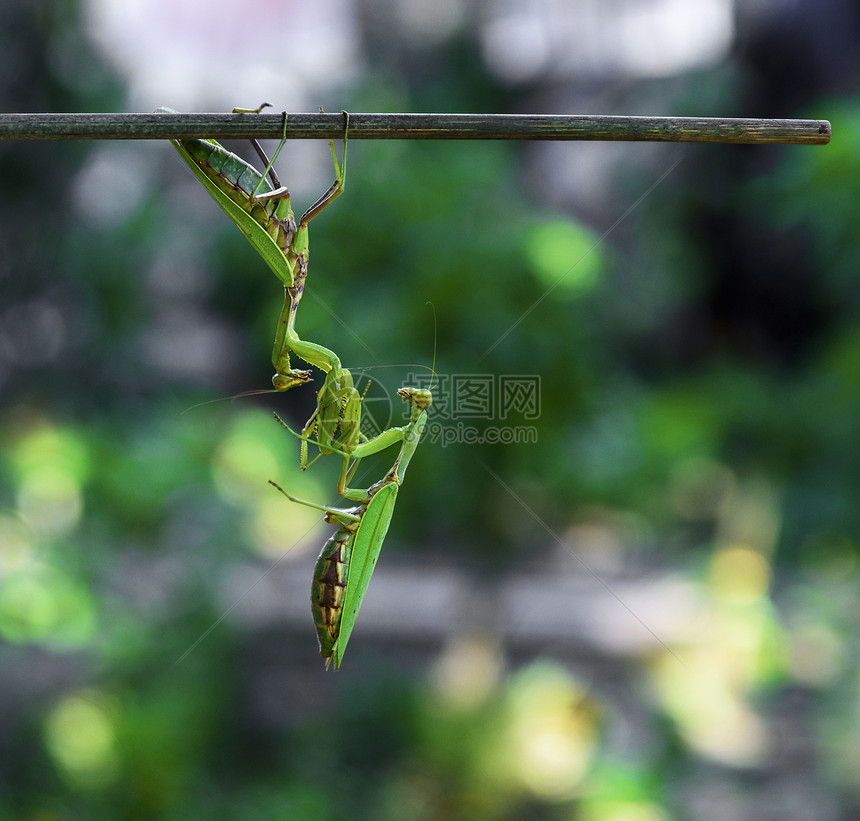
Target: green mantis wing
pixel 365 552
pixel 251 228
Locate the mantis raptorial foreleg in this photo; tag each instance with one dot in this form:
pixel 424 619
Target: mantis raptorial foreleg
pixel 336 420
pixel 420 400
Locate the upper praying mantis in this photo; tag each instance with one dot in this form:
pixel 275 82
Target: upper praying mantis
pixel 263 213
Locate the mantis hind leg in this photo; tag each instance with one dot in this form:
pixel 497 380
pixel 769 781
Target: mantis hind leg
pixel 336 188
pixel 280 190
pixel 339 515
pixel 350 463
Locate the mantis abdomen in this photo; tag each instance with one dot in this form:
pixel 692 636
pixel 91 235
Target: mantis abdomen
pixel 246 187
pixel 328 587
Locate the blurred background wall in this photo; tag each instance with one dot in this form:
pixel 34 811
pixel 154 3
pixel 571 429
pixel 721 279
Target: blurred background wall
pixel 621 580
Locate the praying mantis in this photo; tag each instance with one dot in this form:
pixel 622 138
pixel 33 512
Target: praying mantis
pixel 347 561
pixel 264 214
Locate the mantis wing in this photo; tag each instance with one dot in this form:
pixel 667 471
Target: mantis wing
pixel 255 233
pixel 368 542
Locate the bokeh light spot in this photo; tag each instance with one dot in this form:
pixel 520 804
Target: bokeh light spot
pixel 49 466
pixel 564 256
pixel 79 735
pixel 245 459
pixel 17 546
pixel 46 607
pixel 739 575
pixel 468 671
pixel 552 730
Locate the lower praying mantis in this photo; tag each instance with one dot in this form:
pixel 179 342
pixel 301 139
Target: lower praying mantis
pixel 263 213
pixel 347 561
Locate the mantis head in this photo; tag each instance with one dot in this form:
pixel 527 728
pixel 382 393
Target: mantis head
pixel 419 397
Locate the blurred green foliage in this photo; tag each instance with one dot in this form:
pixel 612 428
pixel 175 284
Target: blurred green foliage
pixel 699 407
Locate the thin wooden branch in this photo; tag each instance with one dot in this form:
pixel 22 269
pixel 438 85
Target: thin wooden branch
pixel 160 126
